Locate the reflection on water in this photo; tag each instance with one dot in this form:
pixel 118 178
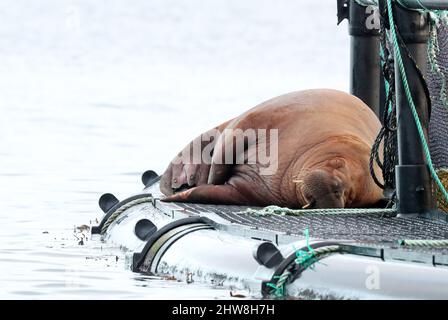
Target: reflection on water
pixel 95 92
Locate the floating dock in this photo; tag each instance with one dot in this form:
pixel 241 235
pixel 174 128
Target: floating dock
pixel 395 253
pixel 273 252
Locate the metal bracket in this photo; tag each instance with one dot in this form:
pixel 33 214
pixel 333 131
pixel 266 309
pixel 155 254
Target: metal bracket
pixel 343 10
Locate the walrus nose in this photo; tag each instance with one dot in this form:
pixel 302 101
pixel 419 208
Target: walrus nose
pixel 326 202
pixel 333 203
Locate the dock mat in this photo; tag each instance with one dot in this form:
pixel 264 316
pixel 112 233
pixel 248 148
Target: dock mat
pixel 359 227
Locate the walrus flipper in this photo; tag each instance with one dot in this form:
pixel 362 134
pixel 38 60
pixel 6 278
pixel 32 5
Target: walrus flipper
pixel 227 153
pixel 210 194
pixel 186 170
pixel 183 172
pixel 180 176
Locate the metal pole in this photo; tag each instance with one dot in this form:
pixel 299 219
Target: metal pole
pixel 414 186
pixel 365 65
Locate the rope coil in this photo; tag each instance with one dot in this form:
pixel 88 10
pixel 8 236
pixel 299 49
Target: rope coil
pixel 304 260
pixel 122 209
pixel 275 210
pixel 423 243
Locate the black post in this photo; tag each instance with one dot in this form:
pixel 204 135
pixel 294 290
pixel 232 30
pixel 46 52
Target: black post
pixel 414 186
pixel 365 64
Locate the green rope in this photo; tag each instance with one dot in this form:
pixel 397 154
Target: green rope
pixel 275 210
pixel 424 243
pixel 305 259
pixel 411 101
pixel 122 209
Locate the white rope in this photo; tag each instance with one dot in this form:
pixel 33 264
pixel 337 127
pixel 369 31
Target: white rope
pixel 122 209
pixel 275 210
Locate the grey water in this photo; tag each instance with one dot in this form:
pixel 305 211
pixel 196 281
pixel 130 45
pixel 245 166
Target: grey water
pixel 93 93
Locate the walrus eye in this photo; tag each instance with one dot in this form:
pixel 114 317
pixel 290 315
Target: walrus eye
pixel 337 193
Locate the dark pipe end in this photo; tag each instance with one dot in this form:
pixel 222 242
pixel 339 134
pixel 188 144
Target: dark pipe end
pixel 149 177
pixel 268 255
pixel 107 201
pixel 144 229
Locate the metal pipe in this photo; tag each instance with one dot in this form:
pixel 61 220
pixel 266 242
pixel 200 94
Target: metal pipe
pixel 365 64
pixel 122 232
pixel 220 259
pixel 196 249
pixel 228 260
pixel 343 276
pixel 414 186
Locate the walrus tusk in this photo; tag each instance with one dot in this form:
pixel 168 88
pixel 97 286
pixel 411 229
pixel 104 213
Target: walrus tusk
pixel 306 206
pixel 309 204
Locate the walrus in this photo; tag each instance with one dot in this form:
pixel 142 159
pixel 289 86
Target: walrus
pixel 324 138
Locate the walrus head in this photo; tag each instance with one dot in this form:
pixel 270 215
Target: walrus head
pixel 324 187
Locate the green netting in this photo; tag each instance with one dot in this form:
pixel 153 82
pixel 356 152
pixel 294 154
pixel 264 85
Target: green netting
pixel 437 84
pixel 437 79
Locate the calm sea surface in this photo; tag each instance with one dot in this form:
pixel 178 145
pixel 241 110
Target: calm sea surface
pixel 93 93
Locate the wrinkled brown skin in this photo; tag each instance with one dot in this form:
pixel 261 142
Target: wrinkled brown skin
pixel 325 137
